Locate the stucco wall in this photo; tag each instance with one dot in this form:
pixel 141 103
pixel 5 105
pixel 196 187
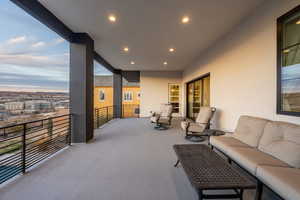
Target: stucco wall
pixel 154 89
pixel 243 68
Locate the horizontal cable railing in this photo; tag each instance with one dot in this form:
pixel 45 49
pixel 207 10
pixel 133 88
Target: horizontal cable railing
pixel 104 114
pixel 24 145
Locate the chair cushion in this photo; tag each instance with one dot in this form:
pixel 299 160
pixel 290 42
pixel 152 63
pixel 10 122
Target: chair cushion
pixel 250 158
pixel 282 140
pixel 284 181
pixel 166 110
pixel 204 115
pixel 250 129
pixel 196 128
pixel 225 142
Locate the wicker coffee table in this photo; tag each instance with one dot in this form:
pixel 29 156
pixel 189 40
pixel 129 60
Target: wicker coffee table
pixel 206 170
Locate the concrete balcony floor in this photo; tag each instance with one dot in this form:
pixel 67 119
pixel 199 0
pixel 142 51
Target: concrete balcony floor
pixel 128 160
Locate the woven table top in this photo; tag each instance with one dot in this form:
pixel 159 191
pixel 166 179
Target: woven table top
pixel 208 170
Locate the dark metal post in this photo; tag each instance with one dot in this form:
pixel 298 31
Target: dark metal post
pixel 4 133
pixel 259 190
pixel 97 116
pixel 107 114
pixel 24 149
pixel 70 130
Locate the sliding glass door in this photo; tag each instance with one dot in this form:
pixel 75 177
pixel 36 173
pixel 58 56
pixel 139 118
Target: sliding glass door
pixel 198 94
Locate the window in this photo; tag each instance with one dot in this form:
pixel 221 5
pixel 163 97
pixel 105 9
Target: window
pixel 174 97
pixel 288 63
pixel 198 94
pixel 128 96
pixel 101 95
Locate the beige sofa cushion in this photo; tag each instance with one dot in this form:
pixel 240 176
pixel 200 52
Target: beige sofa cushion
pixel 223 143
pixel 250 158
pixel 282 140
pixel 250 129
pixel 284 181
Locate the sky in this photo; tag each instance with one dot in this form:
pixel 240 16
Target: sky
pixel 32 57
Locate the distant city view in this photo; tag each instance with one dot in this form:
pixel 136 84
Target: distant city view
pixel 16 107
pixel 34 68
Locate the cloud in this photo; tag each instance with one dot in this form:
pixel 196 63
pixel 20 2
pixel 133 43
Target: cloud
pixel 16 40
pixel 20 82
pixel 34 60
pixel 38 44
pixel 58 41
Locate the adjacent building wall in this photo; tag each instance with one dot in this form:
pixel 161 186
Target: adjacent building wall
pixel 154 89
pixel 242 66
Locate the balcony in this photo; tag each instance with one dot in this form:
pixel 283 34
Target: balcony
pixel 188 60
pixel 127 160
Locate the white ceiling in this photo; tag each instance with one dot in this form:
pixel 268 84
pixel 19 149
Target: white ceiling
pixel 150 27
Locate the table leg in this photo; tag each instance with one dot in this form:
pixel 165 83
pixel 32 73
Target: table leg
pixel 259 190
pixel 177 162
pixel 200 194
pixel 241 194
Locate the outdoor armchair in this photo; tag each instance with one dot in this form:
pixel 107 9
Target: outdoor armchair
pixel 163 118
pixel 202 123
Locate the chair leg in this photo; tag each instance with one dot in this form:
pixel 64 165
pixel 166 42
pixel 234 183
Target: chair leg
pixel 177 162
pixel 259 190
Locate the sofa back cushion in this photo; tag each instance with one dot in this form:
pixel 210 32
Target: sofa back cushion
pixel 250 129
pixel 282 140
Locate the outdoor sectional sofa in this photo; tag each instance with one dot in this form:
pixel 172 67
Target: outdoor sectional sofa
pixel 268 150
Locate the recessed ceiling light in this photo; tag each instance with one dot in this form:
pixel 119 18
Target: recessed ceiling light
pixel 286 50
pixel 165 63
pixel 132 62
pixel 112 18
pixel 126 49
pixel 185 20
pixel 298 22
pixel 171 49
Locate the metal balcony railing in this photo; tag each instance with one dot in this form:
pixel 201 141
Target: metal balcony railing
pixel 104 114
pixel 24 145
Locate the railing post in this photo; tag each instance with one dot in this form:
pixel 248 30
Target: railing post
pixel 107 114
pixel 4 133
pixel 97 116
pixel 24 149
pixel 70 130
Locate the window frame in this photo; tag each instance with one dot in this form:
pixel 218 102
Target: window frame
pixel 131 95
pixel 280 23
pixel 101 90
pixel 202 88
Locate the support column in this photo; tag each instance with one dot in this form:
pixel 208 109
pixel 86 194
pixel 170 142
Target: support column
pixel 117 87
pixel 81 87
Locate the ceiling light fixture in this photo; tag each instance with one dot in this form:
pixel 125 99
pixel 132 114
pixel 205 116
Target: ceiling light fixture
pixel 112 18
pixel 286 50
pixel 132 62
pixel 165 63
pixel 185 20
pixel 171 49
pixel 126 49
